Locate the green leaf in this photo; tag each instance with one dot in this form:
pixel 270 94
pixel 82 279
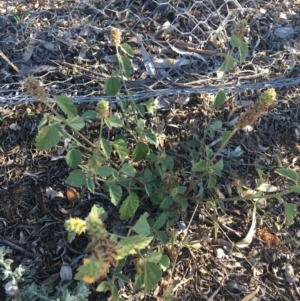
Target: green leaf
pixel 105 171
pixel 260 173
pixel 121 148
pixel 165 261
pixel 200 166
pixel 89 114
pixel 47 137
pixel 168 163
pixel 43 121
pixel 218 167
pixel 241 45
pixel 139 281
pixel 95 160
pixel 290 212
pixel 99 211
pixel 67 105
pixel 129 206
pixel 212 181
pixel 295 188
pixel 225 138
pixel 73 158
pixel 147 176
pixel 151 137
pixel 71 236
pixel 103 287
pixel 127 49
pixel 76 178
pixel 219 99
pixel 128 170
pixel 160 221
pixel 154 257
pixel 106 147
pixel 115 292
pixel 280 200
pixel 76 122
pixel 228 63
pixel 181 189
pixel 132 245
pixel 140 124
pixel 113 121
pixel 140 152
pixel 216 229
pixel 142 227
pixel 150 105
pixel 115 193
pixel 166 203
pixel 126 65
pixel 162 236
pixel 122 277
pixel 120 265
pixel 29 112
pixel 209 152
pixel 60 128
pixel 90 184
pixel 152 275
pixel 217 125
pixel 140 108
pixel 288 174
pixel 148 189
pixel 184 204
pixel 112 86
pixel 221 205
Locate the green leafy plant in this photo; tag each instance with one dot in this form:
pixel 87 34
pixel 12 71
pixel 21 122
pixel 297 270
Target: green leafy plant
pixel 236 42
pixel 112 162
pixel 21 16
pixel 18 291
pixel 111 250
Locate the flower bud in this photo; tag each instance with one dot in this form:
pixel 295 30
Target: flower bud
pixel 102 109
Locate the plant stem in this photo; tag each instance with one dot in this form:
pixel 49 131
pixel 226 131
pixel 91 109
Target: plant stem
pixel 223 144
pixel 124 84
pixel 101 128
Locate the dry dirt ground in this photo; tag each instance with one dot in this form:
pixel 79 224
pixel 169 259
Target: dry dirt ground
pixel 65 44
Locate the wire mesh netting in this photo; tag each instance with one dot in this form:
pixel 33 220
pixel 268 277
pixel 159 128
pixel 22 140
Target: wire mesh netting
pixel 176 45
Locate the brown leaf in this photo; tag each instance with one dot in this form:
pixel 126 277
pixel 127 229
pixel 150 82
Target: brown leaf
pixel 271 240
pixel 72 194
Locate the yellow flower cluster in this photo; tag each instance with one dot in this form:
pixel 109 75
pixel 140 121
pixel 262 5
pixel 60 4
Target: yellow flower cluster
pixel 76 225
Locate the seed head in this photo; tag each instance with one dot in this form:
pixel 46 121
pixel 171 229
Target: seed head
pixel 115 36
pixel 240 29
pixel 35 89
pixel 102 109
pixel 256 111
